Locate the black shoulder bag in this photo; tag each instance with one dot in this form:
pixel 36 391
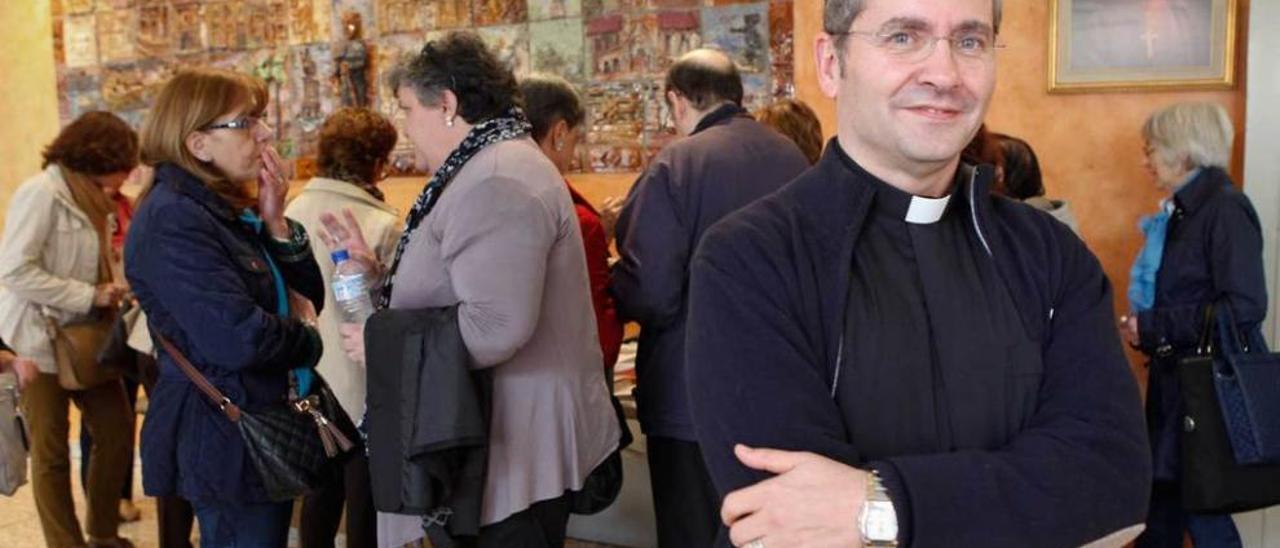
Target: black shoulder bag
pixel 1212 480
pixel 289 444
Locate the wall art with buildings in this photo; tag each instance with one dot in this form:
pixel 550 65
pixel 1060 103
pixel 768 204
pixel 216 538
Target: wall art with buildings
pixel 317 55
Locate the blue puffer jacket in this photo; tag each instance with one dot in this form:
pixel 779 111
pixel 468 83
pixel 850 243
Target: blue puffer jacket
pixel 202 278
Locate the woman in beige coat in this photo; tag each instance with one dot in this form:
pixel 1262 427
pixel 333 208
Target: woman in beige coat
pixel 355 146
pixel 495 233
pixel 55 263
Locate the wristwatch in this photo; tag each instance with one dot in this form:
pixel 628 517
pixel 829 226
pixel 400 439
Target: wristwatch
pixel 878 520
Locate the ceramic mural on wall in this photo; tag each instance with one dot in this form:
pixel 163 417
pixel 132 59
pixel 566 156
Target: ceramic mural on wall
pixel 115 54
pixel 556 47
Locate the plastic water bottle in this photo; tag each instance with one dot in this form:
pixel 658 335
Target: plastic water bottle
pixel 351 288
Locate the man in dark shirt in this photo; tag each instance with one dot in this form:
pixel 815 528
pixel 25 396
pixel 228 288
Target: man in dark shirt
pixel 929 364
pixel 724 161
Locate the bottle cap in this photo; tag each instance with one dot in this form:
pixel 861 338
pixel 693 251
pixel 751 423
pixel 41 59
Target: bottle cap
pixel 339 256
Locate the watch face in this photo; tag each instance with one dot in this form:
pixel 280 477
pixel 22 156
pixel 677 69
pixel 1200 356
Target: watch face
pixel 881 523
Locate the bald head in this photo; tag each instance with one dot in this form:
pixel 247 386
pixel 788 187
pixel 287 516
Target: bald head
pixel 706 78
pixel 709 59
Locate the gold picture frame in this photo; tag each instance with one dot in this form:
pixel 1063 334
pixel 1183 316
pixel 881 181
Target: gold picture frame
pixel 1142 45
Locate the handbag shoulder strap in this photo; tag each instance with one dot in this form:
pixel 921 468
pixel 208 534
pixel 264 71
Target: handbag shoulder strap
pixel 231 410
pixel 1236 341
pixel 1205 347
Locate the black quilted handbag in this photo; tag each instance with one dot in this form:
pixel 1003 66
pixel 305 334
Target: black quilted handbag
pixel 291 445
pixel 1212 479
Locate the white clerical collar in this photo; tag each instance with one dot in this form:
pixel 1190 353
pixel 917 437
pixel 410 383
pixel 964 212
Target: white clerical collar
pixel 924 211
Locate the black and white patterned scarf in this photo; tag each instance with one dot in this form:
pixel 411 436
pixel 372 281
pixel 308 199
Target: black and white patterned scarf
pixel 512 124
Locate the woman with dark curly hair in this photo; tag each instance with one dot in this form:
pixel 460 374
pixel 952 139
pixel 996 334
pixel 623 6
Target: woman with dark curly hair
pixel 494 232
pixel 56 266
pixel 355 146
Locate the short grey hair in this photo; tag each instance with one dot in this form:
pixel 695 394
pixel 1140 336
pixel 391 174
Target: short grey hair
pixel 462 63
pixel 838 16
pixel 1198 134
pixel 406 73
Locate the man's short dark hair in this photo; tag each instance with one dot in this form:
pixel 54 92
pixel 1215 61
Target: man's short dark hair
pixel 705 84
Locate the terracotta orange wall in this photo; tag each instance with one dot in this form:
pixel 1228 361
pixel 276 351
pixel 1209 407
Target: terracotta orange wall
pixel 1089 145
pixel 402 191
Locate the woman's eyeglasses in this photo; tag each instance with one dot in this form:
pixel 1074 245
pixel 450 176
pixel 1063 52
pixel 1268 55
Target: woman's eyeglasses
pixel 243 122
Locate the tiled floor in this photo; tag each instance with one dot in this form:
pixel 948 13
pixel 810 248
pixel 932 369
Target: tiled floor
pixel 20 527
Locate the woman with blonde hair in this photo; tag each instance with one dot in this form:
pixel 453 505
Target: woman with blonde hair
pixel 56 267
pixel 232 284
pixel 1203 247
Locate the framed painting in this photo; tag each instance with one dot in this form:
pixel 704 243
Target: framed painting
pixel 1128 45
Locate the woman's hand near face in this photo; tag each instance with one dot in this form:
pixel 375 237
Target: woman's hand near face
pixel 273 187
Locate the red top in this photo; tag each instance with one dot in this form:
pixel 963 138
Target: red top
pixel 596 245
pixel 124 214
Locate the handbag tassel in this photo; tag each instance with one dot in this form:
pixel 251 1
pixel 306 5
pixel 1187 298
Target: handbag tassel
pixel 334 440
pixel 331 436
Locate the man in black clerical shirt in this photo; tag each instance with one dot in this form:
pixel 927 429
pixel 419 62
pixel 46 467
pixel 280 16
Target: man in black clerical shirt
pixel 883 353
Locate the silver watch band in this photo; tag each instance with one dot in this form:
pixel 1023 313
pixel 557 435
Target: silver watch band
pixel 878 497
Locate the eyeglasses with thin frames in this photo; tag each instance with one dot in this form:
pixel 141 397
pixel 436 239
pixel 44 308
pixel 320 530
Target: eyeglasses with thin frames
pixel 243 122
pixel 913 46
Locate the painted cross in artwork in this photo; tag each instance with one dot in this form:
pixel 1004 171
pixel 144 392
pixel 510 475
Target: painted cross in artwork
pixel 115 54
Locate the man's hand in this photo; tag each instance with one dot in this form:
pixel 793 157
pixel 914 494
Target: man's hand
pixel 609 212
pixel 813 502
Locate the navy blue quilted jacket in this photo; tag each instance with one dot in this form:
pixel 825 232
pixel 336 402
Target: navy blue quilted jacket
pixel 202 278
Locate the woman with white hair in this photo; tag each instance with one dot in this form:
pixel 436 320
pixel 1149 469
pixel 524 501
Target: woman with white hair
pixel 1204 246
